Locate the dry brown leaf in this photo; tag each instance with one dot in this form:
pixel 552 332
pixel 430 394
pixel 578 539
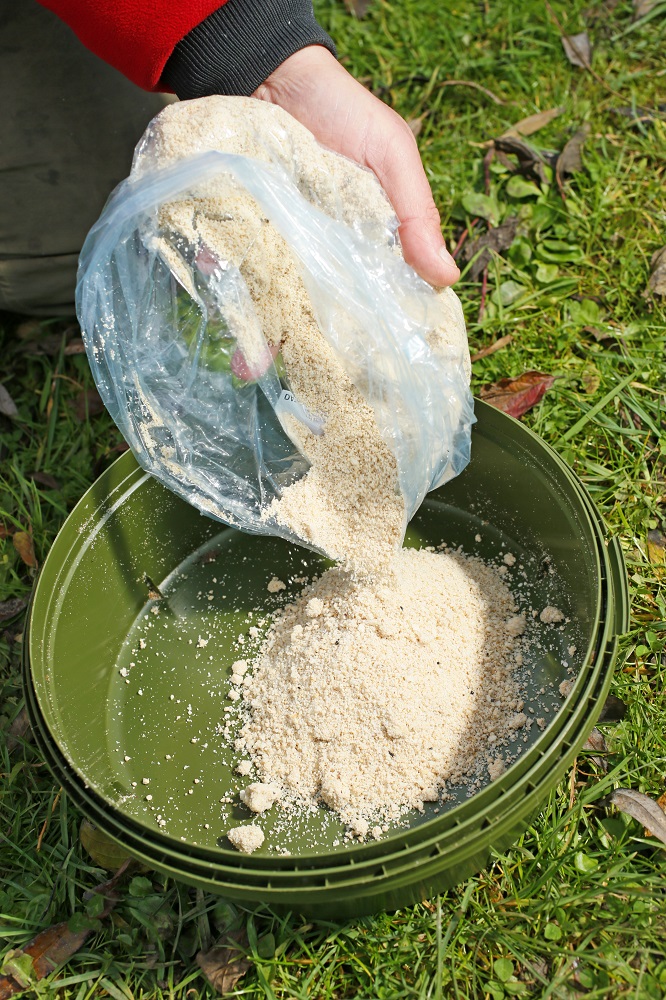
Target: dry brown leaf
pixel 359 8
pixel 532 124
pixel 657 282
pixel 491 348
pixel 613 710
pixel 24 966
pixel 577 49
pixel 496 239
pixel 516 396
pixel 12 607
pixel 87 403
pixel 104 851
pixel 656 546
pixel 25 547
pixel 643 7
pixel 642 808
pixel 19 730
pixel 225 963
pixel 530 161
pixel 416 124
pixel 661 802
pixel 570 160
pixel 8 407
pixel 597 744
pixel 44 479
pixel 75 346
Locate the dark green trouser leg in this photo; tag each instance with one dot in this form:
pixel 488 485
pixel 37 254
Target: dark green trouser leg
pixel 68 126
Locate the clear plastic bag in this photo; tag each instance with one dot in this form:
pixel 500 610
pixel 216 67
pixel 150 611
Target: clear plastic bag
pixel 197 385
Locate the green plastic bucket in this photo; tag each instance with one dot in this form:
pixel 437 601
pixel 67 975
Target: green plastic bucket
pixel 128 534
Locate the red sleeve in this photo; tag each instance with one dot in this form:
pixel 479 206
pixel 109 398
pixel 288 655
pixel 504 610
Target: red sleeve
pixel 135 36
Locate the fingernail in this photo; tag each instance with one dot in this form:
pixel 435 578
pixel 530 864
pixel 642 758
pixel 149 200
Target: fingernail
pixel 446 256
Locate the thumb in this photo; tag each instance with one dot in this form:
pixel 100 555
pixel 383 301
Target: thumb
pixel 424 249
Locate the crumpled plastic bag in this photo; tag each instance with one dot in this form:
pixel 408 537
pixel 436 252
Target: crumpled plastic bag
pixel 186 361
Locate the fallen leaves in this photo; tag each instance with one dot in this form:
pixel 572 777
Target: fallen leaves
pixel 225 963
pixel 516 396
pixel 19 730
pixel 532 124
pixel 25 547
pixel 531 162
pixel 359 8
pixel 8 407
pixel 642 808
pixel 656 546
pixel 88 403
pixel 495 240
pixel 578 49
pixel 491 348
pixel 104 851
pixel 657 281
pixel 44 479
pixel 596 744
pixel 570 160
pixel 642 8
pixel 12 607
pixel 23 967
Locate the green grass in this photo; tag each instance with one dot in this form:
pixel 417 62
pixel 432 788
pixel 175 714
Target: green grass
pixel 578 906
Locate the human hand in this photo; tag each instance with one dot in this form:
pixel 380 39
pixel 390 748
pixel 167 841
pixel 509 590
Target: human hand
pixel 342 115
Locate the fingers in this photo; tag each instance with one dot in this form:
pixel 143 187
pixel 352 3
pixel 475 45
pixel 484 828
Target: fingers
pixel 391 152
pixel 313 87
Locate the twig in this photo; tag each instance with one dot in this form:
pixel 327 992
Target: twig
pixel 491 348
pixel 420 78
pixel 463 236
pixel 581 55
pixel 46 821
pixel 476 86
pixel 484 289
pixel 572 784
pixel 487 160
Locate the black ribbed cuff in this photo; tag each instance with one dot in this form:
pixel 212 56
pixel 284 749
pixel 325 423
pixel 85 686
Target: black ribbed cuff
pixel 237 47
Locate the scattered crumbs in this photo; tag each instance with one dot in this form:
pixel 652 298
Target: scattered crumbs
pixel 244 768
pixel 142 643
pixel 149 798
pixel 565 688
pixel 155 610
pixel 246 838
pixel 571 650
pixel 258 797
pixel 551 615
pixel 541 723
pixel 516 625
pixel 509 559
pixel 477 538
pixel 496 768
pixel 239 667
pixel 202 642
pixel 273 587
pixel 145 781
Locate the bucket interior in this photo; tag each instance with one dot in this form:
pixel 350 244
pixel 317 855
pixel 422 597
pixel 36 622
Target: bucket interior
pixel 120 673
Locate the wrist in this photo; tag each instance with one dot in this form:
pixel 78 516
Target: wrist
pixel 241 45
